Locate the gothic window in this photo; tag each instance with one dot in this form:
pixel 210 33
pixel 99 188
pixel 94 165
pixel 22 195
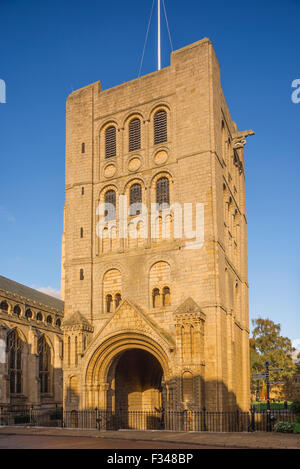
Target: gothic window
pixel 160 127
pixel 155 298
pixel 58 322
pixel 49 319
pixel 166 296
pixel 110 142
pixel 109 303
pixel 134 134
pixel 162 191
pixel 17 310
pixel 14 349
pixel 135 198
pixel 39 316
pixel 110 209
pixel 44 353
pixel 118 299
pixel 28 313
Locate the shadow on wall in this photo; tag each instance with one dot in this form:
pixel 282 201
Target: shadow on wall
pixel 31 379
pixel 138 397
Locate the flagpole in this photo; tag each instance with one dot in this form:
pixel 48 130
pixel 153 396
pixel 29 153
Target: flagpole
pixel 158 36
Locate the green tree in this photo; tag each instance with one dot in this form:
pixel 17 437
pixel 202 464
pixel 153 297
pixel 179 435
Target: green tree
pixel 267 343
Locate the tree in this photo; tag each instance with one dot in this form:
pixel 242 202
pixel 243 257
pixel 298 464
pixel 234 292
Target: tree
pixel 266 343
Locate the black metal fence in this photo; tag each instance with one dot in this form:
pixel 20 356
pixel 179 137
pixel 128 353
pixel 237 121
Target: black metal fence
pixel 28 415
pixel 175 420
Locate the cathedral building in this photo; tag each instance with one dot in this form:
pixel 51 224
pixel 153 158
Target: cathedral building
pixel 154 264
pixel 31 350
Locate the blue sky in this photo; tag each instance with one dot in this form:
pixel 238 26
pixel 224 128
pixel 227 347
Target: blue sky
pixel 50 48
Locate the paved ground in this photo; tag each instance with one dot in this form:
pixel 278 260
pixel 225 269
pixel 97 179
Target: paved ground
pixel 42 437
pixel 75 442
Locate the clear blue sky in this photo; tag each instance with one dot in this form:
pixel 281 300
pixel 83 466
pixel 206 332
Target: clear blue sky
pixel 50 48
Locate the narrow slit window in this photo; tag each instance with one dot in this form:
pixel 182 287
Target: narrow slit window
pixel 135 134
pixel 110 205
pixel 110 142
pixel 162 191
pixel 160 127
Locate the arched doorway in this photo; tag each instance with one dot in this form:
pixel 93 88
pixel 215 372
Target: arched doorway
pixel 138 376
pixel 102 365
pixel 135 389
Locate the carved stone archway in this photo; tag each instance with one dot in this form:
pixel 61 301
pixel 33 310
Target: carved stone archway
pixel 101 369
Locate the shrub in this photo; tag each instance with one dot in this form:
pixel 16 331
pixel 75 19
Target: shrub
pixel 284 427
pixel 295 407
pixel 297 428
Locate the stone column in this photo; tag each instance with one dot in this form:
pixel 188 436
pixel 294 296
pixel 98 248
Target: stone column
pixel 102 395
pixel 33 381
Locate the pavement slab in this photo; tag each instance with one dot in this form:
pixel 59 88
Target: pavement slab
pixel 255 440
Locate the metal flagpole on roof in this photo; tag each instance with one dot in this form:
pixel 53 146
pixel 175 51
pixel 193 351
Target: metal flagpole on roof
pixel 158 37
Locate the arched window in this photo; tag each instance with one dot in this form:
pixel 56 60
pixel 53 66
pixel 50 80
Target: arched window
pixel 28 313
pixel 110 209
pixel 118 299
pixel 110 142
pixel 135 199
pixel 155 298
pixel 134 134
pixel 17 310
pixel 44 353
pixel 58 322
pixel 109 303
pixel 49 319
pixel 160 127
pixel 14 349
pixel 162 191
pixel 4 305
pixel 166 296
pixel 39 316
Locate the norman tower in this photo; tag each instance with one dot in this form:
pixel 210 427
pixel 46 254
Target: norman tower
pixel 150 319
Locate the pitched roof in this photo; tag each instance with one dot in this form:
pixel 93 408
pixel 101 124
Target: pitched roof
pixel 188 306
pixel 30 294
pixel 76 318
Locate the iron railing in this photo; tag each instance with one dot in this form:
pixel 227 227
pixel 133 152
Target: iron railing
pixel 175 420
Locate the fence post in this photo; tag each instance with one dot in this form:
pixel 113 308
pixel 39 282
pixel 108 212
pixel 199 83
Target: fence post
pixel 252 418
pixel 31 418
pixel 204 419
pixel 97 419
pixel 238 420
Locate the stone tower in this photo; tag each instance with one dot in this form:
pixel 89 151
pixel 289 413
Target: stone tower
pixel 156 301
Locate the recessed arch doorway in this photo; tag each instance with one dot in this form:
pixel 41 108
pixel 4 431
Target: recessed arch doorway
pixel 135 382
